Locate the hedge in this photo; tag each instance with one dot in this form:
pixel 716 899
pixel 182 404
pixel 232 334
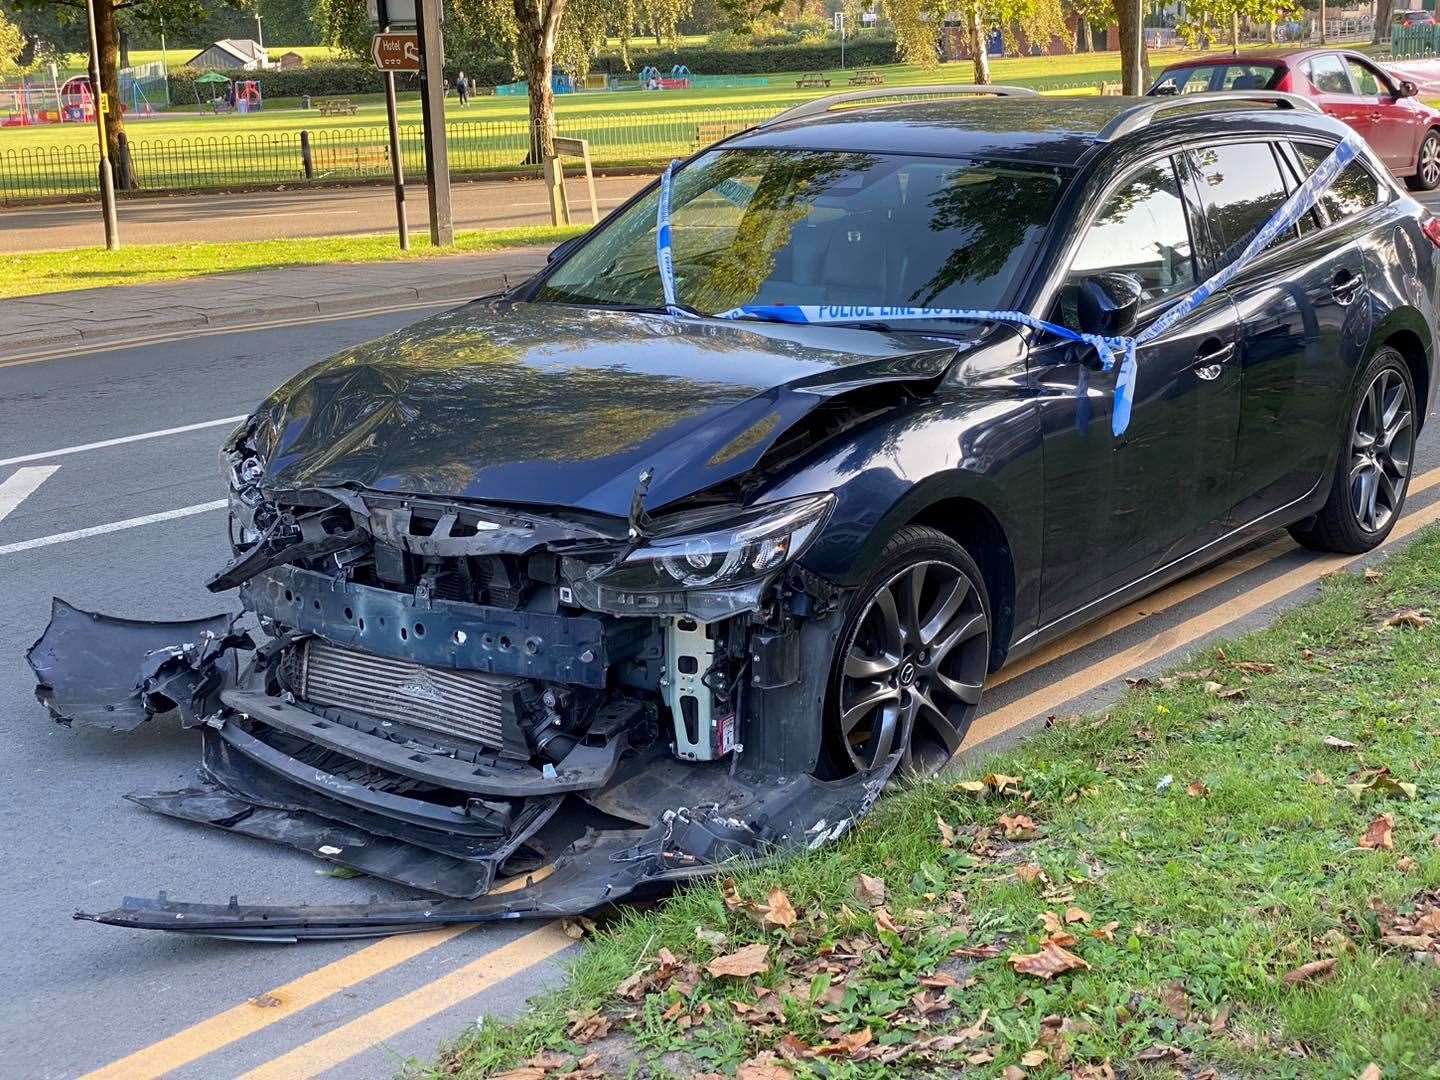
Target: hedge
pixel 344 77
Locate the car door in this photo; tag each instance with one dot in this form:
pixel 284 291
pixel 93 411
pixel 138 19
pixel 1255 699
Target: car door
pixel 1117 508
pixel 1330 84
pixel 1396 126
pixel 1296 304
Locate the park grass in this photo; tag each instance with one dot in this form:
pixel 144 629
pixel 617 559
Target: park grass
pixel 1194 849
pixel 1081 72
pixel 39 273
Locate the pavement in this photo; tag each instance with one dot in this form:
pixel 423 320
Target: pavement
pixel 111 496
pixel 321 211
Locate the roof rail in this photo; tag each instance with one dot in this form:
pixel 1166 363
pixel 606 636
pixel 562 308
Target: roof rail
pixel 1139 116
pixel 823 105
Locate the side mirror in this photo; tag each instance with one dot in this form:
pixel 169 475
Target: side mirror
pixel 1108 303
pixel 1407 89
pixel 561 250
pixel 1164 89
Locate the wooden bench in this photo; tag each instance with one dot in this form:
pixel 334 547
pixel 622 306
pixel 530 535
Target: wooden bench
pixel 807 82
pixel 336 106
pixel 867 78
pixel 1110 89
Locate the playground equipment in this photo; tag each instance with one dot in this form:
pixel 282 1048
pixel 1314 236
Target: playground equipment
pixel 247 96
pixel 141 88
pixel 223 95
pixel 560 83
pixel 678 79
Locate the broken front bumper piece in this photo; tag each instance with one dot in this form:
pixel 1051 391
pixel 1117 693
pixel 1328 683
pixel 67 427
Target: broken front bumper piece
pixel 487 837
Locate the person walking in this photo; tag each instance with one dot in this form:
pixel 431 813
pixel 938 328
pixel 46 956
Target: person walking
pixel 462 90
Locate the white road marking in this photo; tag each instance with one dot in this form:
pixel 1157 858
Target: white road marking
pixel 21 485
pixel 114 526
pixel 120 440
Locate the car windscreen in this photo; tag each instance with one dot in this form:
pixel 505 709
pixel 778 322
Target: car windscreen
pixel 784 226
pixel 1201 78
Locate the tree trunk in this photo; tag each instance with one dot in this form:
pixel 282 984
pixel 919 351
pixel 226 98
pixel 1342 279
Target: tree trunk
pixel 1234 33
pixel 979 47
pixel 107 42
pixel 538 24
pixel 1324 31
pixel 1134 65
pixel 1082 34
pixel 1382 20
pixel 1270 32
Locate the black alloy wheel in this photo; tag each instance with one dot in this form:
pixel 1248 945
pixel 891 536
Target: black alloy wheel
pixel 1372 472
pixel 1381 446
pixel 913 657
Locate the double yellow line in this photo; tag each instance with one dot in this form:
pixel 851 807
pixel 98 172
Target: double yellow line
pixel 344 1042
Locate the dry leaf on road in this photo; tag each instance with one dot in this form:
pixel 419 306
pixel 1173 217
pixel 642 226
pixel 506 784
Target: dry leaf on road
pixel 1050 961
pixel 751 960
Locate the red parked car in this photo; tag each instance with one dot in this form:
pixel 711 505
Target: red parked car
pixel 1347 85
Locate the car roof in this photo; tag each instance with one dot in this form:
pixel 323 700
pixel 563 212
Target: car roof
pixel 1061 131
pixel 1283 56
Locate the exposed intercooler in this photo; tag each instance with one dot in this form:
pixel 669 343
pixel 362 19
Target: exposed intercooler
pixel 470 706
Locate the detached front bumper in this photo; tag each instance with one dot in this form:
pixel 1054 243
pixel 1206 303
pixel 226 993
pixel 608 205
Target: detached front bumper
pixel 492 836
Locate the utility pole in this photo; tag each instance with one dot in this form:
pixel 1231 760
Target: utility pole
pixel 1324 36
pixel 432 110
pixel 259 32
pixel 107 179
pixel 397 163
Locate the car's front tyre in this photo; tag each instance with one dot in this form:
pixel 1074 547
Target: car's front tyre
pixel 911 658
pixel 1372 470
pixel 1427 165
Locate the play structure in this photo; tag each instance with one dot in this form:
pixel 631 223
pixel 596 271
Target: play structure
pixel 560 83
pixel 31 102
pixel 678 79
pixel 219 94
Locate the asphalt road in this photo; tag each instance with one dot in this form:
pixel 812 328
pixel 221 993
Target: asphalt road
pixel 273 215
pixel 80 996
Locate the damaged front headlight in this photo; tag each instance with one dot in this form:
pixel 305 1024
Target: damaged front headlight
pixel 708 572
pixel 250 512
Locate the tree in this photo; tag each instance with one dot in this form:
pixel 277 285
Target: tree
pixel 541 34
pixel 177 16
pixel 918 26
pixel 1207 18
pixel 12 48
pixel 1134 63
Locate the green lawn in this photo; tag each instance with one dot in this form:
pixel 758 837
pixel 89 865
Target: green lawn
pixel 35 273
pixel 1236 868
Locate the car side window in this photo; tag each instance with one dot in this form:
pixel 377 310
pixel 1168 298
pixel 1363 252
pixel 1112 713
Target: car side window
pixel 1354 191
pixel 1367 84
pixel 1242 188
pixel 1328 75
pixel 1142 230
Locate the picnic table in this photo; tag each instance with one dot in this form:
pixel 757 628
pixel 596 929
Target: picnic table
pixel 810 81
pixel 335 106
pixel 865 77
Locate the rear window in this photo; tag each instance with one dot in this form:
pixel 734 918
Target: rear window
pixel 1222 76
pixel 1354 191
pixel 1242 189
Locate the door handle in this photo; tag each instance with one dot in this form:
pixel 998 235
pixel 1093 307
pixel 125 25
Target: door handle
pixel 1345 287
pixel 1210 360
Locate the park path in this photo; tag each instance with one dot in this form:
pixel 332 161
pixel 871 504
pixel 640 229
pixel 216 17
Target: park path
pixel 274 215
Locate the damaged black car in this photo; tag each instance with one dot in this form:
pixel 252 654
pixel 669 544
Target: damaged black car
pixel 617 578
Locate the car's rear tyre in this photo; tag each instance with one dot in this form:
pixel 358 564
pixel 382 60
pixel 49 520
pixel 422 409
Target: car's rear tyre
pixel 911 658
pixel 1372 471
pixel 1427 165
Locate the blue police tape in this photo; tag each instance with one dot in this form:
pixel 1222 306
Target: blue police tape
pixel 1111 350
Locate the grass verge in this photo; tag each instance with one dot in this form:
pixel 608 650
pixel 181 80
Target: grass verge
pixel 41 272
pixel 1233 872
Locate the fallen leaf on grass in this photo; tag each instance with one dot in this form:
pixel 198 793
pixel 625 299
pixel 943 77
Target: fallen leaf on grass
pixel 999 783
pixel 793 1048
pixel 1175 1000
pixel 1017 826
pixel 1409 618
pixel 1381 781
pixel 947 834
pixel 1106 932
pixel 1102 1071
pixel 1315 969
pixel 1405 864
pixel 776 912
pixel 1370 1072
pixel 587 1027
pixel 524 1072
pixel 751 960
pixel 1033 1058
pixel 1253 667
pixel 846 1044
pixel 1220 1021
pixel 1197 789
pixel 1050 961
pixel 1076 914
pixel 885 921
pixel 714 938
pixel 1372 575
pixel 870 891
pixel 1029 873
pixel 763 1066
pixel 1379 836
pixel 1336 743
pixel 1013 1072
